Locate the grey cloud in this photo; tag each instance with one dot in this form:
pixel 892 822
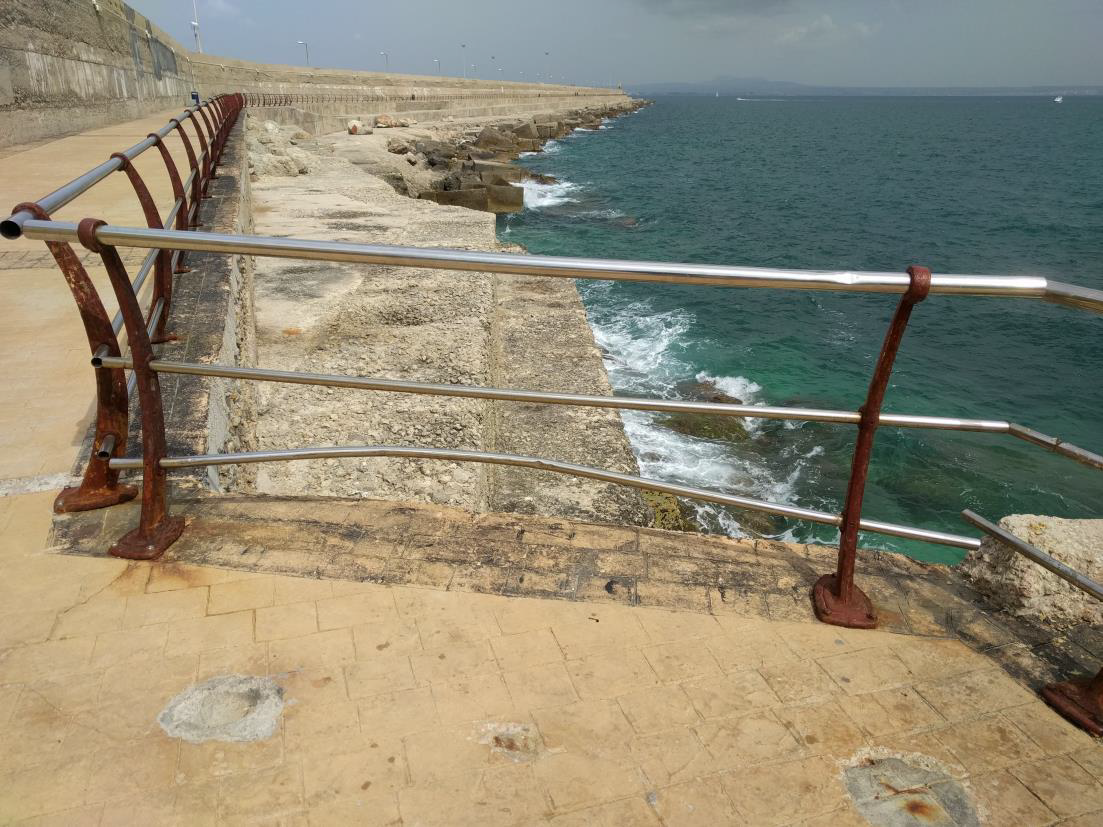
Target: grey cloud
pixel 715 8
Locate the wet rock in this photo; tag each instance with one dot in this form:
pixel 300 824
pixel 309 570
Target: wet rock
pixel 704 391
pixel 706 426
pixel 668 512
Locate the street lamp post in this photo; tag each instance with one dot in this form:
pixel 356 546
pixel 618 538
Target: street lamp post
pixel 195 27
pixel 463 59
pixel 386 60
pixel 306 46
pixel 436 60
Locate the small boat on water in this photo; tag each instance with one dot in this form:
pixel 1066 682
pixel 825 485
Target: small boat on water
pixel 1059 99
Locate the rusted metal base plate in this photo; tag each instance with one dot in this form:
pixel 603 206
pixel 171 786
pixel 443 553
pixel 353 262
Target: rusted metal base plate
pixel 138 546
pixel 77 499
pixel 1076 701
pixel 857 614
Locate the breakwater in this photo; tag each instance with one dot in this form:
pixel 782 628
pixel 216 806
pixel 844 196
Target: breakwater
pixel 66 67
pixel 439 326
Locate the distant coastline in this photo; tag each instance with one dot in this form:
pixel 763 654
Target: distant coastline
pixel 762 87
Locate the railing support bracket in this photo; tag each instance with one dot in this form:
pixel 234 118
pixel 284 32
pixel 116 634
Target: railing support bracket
pixel 1080 701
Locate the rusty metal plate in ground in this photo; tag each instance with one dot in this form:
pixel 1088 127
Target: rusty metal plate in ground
pixel 909 791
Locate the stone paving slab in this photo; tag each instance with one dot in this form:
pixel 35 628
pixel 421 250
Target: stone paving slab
pixel 420 692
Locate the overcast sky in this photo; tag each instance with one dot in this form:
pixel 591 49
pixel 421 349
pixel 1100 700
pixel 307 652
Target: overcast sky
pixel 831 42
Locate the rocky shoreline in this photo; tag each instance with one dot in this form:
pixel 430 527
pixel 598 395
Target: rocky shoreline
pixel 466 163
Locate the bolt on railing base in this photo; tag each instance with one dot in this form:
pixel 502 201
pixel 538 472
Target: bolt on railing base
pixel 78 498
pixel 1079 701
pixel 137 545
pixel 857 613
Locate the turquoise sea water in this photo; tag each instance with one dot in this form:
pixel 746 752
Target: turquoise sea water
pixel 967 185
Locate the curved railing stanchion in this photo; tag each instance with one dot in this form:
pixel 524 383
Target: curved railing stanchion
pixel 157 530
pixel 162 272
pixel 835 598
pixel 100 485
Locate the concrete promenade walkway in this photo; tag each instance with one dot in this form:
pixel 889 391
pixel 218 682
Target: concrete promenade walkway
pixel 443 691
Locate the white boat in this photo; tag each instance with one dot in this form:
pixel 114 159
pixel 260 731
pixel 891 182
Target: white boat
pixel 1059 99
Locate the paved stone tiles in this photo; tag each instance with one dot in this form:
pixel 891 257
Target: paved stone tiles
pixel 440 685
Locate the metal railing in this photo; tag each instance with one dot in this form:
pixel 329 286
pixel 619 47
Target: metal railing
pixel 836 598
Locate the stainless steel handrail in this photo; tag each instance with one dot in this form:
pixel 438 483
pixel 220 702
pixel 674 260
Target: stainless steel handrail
pixel 1032 287
pixel 940 423
pixel 540 464
pixel 1069 575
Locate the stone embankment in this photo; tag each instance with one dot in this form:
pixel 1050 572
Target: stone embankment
pixel 428 325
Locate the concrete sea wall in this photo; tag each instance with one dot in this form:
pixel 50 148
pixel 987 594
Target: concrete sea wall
pixel 68 66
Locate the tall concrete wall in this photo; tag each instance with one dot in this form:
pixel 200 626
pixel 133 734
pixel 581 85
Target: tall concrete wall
pixel 66 66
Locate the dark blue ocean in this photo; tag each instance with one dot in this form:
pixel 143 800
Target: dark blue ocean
pixel 967 185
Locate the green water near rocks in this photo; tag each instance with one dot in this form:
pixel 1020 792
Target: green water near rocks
pixel 967 185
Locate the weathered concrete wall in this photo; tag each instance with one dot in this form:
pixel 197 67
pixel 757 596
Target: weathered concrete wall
pixel 67 66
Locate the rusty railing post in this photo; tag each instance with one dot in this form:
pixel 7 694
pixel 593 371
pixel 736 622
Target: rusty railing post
pixel 162 276
pixel 1080 701
pixel 835 598
pixel 100 485
pixel 157 530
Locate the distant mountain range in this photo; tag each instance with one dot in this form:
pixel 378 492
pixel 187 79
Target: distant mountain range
pixel 761 87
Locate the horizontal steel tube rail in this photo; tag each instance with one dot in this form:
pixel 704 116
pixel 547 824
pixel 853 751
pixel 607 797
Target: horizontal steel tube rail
pixel 1031 287
pixel 12 226
pixel 540 464
pixel 1069 575
pixel 940 423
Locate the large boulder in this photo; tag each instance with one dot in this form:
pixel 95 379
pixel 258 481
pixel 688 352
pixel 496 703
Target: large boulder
pixel 526 130
pixel 1026 589
pixel 385 122
pixel 491 138
pixel 300 158
pixel 267 164
pixel 356 127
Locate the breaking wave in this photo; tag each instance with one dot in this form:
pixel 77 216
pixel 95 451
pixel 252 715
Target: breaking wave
pixel 538 196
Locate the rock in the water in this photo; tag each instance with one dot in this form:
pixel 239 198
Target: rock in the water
pixel 505 198
pixel 1028 590
pixel 705 426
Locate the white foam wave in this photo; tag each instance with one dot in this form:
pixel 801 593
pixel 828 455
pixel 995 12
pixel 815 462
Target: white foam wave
pixel 643 357
pixel 552 147
pixel 743 389
pixel 638 342
pixel 738 386
pixel 538 196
